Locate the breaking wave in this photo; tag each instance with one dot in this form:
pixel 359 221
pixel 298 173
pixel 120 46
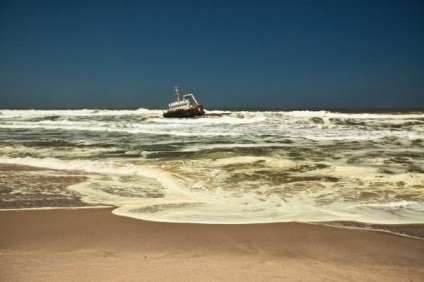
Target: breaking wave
pixel 228 166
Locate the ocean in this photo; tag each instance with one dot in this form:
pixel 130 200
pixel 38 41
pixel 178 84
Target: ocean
pixel 229 166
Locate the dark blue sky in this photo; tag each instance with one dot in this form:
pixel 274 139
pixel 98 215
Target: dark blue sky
pixel 94 54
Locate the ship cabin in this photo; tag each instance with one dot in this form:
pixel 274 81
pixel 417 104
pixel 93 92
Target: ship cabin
pixel 180 105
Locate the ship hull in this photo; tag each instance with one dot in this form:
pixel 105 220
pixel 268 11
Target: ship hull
pixel 186 113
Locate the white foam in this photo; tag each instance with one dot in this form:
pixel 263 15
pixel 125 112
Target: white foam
pixel 183 204
pixel 398 204
pixel 104 167
pixel 237 123
pixel 216 120
pixel 327 114
pixel 132 129
pixel 83 112
pixel 241 188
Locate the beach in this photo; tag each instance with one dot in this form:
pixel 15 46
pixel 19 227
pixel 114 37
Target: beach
pixel 95 245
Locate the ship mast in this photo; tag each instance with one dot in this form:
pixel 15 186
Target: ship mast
pixel 177 94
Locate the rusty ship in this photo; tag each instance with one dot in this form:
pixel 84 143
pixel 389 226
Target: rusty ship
pixel 184 107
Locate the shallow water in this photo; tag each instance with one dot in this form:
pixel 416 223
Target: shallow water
pixel 229 166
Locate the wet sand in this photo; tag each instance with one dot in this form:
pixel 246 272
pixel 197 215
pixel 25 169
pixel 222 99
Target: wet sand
pixel 95 245
pixel 32 187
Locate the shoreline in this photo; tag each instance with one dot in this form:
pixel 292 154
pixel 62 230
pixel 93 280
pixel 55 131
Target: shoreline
pixel 61 179
pixel 409 230
pixel 93 243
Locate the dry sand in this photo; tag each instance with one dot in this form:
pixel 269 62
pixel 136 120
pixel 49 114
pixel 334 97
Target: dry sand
pixel 95 245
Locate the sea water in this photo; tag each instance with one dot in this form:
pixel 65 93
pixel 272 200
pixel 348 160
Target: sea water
pixel 229 166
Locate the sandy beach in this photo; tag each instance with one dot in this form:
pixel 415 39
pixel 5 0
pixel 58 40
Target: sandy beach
pixel 95 245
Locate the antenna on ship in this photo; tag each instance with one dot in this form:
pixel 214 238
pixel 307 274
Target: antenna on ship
pixel 177 94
